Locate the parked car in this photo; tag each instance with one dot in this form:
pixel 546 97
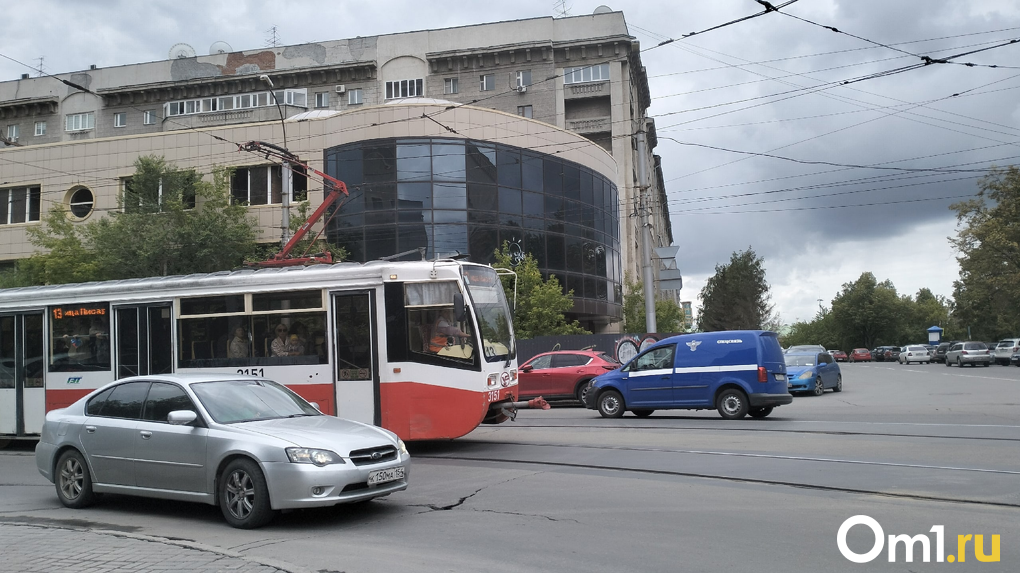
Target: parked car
pixel 940 351
pixel 969 352
pixel 1005 349
pixel 805 348
pixel 249 445
pixel 809 372
pixel 878 354
pixel 1015 359
pixel 914 353
pixel 738 373
pixel 860 355
pixel 838 355
pixel 562 373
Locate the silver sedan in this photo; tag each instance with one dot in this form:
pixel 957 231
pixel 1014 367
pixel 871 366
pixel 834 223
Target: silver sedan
pixel 250 446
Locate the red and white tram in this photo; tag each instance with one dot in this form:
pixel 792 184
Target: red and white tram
pixel 425 349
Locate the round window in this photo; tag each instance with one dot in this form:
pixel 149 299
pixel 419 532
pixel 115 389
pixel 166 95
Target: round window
pixel 81 202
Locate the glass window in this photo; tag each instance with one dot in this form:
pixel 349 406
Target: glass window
pixel 481 163
pixel 450 86
pixel 119 119
pixel 214 305
pixel 542 362
pixel 484 242
pixel 247 400
pixel 80 121
pixel 125 401
pixel 322 99
pixel 482 197
pixel 508 166
pixel 534 204
pixel 95 405
pixel 414 196
pixel 552 174
pixel 80 337
pixel 380 163
pixel 449 196
pixel 660 358
pixel 531 173
pixel 448 162
pixel 40 128
pixel 80 203
pixel 571 181
pixel 380 241
pixel 526 111
pixel 290 300
pixel 380 218
pixel 555 249
pixel 414 162
pixel 165 398
pixel 487 82
pixel 380 197
pixel 148 117
pixel 354 96
pixel 510 200
pixel 523 78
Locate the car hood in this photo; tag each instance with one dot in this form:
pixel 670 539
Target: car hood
pixel 328 432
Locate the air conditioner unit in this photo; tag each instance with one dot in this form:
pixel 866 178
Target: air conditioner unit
pixel 341 89
pixel 522 89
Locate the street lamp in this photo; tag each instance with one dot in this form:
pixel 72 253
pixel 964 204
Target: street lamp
pixel 288 179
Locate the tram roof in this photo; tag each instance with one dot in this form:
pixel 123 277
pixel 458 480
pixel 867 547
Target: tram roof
pixel 211 283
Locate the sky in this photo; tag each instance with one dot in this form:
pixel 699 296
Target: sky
pixel 821 150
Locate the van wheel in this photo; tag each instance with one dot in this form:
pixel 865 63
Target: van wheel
pixel 732 404
pixel 839 384
pixel 642 413
pixel 759 412
pixel 610 404
pixel 582 391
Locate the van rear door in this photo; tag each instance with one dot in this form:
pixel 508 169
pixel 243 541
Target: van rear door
pixel 771 357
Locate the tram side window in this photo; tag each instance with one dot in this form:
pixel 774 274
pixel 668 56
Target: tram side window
pixel 432 328
pixel 252 340
pixel 290 338
pixel 80 337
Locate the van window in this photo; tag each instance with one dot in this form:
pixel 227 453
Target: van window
pixel 655 359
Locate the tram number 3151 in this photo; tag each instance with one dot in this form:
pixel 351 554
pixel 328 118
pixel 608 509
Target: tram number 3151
pixel 260 372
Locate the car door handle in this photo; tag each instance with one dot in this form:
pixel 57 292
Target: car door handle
pixel 146 434
pixel 90 429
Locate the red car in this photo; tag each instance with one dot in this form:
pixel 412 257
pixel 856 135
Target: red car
pixel 860 355
pixel 562 374
pixel 838 355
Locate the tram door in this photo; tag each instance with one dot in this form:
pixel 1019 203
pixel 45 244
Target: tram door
pixel 22 394
pixel 357 372
pixel 144 344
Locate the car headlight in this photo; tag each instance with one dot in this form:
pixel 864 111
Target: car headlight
pixel 402 447
pixel 313 456
pixel 806 375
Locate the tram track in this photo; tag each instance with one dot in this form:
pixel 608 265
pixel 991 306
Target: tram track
pixel 716 477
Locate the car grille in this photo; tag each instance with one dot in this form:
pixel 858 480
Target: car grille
pixel 373 455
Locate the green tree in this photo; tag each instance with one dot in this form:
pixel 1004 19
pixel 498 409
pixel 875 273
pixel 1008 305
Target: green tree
pixel 987 294
pixel 820 330
pixel 541 304
pixel 669 316
pixel 173 222
pixel 868 313
pixel 737 297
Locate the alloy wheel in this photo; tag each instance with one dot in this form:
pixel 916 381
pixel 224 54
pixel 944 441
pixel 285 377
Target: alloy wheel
pixel 240 494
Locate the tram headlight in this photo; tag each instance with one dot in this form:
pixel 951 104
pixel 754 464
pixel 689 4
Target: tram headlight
pixel 313 456
pixel 493 379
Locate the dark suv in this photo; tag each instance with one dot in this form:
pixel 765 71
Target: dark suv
pixel 940 353
pixel 886 353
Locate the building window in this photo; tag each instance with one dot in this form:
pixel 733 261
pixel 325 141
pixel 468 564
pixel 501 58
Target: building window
pixel 19 205
pixel 598 73
pixel 81 202
pixel 354 96
pixel 487 82
pixel 13 132
pixel 263 185
pixel 40 128
pixel 294 97
pixel 148 118
pixel 404 88
pixel 322 99
pixel 525 111
pixel 451 86
pixel 119 119
pixel 523 78
pixel 80 121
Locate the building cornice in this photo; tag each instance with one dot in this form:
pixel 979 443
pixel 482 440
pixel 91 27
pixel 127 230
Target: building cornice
pixel 29 107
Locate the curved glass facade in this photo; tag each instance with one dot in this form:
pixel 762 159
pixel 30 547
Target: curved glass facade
pixel 453 196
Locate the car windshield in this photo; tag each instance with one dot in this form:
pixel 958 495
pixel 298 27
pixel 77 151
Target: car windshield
pixel 1005 344
pixel 800 360
pixel 233 401
pixel 486 291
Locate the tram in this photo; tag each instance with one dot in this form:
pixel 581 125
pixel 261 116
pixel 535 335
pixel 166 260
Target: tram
pixel 425 349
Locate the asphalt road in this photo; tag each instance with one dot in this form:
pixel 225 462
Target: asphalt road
pixel 565 490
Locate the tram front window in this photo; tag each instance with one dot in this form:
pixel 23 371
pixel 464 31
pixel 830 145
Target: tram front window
pixel 493 313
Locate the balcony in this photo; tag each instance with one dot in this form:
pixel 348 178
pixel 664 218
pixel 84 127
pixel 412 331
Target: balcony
pixel 590 125
pixel 585 90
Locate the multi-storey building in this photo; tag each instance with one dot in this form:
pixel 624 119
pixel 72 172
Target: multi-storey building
pixel 453 140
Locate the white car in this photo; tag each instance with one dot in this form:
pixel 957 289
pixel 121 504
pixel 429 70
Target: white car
pixel 1005 349
pixel 915 353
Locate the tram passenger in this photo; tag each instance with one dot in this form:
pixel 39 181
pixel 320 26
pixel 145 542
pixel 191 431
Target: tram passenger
pixel 281 344
pixel 238 346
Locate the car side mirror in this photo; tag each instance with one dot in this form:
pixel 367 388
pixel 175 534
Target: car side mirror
pixel 527 368
pixel 316 406
pixel 458 307
pixel 181 417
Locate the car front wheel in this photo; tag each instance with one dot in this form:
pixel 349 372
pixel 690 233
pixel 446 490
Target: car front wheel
pixel 244 495
pixel 611 404
pixel 839 384
pixel 819 388
pixel 73 481
pixel 732 404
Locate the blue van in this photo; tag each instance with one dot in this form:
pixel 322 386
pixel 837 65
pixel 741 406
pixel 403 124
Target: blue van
pixel 737 372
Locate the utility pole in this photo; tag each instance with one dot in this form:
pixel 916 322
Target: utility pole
pixel 644 207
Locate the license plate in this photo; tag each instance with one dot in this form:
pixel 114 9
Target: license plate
pixel 384 476
pixel 781 377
